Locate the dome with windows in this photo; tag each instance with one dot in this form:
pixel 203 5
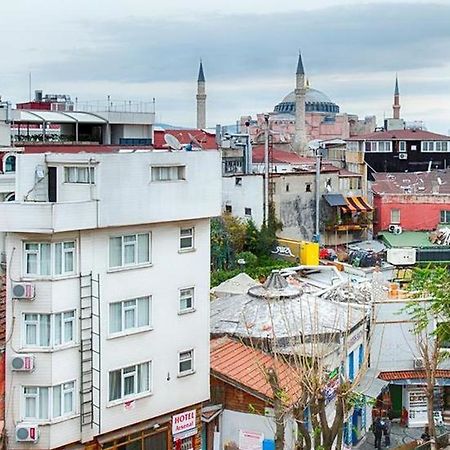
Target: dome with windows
pixel 315 101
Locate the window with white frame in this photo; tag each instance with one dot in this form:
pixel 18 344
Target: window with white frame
pixel 187 238
pixel 186 362
pixel 427 146
pixel 441 146
pixel 168 173
pixel 187 299
pixel 402 146
pixel 130 381
pixel 445 216
pixel 10 164
pixel 79 174
pixel 48 330
pixel 395 216
pixel 129 250
pixel 46 403
pixel 46 259
pixel 130 314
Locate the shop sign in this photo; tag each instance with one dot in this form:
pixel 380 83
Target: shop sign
pixel 183 421
pixel 250 440
pixel 355 338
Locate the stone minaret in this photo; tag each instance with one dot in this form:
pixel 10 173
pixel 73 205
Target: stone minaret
pixel 201 98
pixel 396 105
pixel 300 141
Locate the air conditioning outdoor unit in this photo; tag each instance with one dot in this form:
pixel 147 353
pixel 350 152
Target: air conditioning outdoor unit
pixel 27 432
pixel 403 156
pixel 418 363
pixel 395 229
pixel 23 363
pixel 23 291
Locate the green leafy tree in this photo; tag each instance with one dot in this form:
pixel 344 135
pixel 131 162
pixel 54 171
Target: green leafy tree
pixel 430 312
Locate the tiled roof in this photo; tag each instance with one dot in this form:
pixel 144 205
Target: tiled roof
pixel 280 156
pixel 411 374
pixel 200 138
pixel 401 135
pixel 242 365
pixel 412 183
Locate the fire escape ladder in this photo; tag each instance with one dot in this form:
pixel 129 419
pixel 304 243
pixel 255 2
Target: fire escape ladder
pixel 90 346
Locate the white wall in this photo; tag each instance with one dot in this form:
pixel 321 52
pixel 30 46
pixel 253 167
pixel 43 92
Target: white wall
pixel 169 271
pixel 124 188
pixel 248 194
pixel 233 421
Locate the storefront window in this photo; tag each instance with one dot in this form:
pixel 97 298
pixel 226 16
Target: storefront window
pixel 142 440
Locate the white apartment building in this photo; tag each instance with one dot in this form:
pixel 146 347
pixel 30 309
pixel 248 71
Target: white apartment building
pixel 109 343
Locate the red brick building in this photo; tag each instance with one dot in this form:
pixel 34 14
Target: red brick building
pixel 417 201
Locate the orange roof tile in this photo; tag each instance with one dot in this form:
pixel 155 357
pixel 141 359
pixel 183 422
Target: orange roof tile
pixel 241 364
pixel 411 374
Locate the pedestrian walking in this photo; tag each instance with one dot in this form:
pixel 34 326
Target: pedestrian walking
pixel 378 432
pixel 387 432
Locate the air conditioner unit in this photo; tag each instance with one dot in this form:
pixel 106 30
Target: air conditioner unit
pixel 23 363
pixel 23 291
pixel 395 229
pixel 418 363
pixel 27 432
pixel 403 156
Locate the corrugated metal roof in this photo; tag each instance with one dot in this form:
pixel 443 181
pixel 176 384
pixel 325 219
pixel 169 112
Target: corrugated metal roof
pixel 244 365
pixel 335 199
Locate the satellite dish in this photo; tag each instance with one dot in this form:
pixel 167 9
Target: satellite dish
pixel 172 142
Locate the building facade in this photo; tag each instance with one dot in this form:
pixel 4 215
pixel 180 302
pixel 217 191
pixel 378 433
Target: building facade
pixel 398 197
pixel 108 299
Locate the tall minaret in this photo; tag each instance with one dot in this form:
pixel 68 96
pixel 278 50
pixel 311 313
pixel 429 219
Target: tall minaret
pixel 396 105
pixel 300 141
pixel 201 98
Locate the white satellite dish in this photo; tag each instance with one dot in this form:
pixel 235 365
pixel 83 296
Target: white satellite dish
pixel 172 142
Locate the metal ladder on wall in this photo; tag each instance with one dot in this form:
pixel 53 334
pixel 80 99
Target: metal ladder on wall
pixel 90 345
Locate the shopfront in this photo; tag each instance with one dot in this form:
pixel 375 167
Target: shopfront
pixel 184 430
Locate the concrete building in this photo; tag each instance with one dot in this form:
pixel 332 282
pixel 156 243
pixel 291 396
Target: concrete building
pixel 107 311
pixel 55 118
pixel 398 197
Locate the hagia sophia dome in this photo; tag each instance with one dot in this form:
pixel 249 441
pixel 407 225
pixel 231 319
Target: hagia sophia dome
pixel 315 101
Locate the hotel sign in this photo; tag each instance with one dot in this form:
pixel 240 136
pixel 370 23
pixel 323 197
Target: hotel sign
pixel 183 421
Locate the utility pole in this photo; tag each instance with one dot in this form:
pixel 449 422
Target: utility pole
pixel 318 162
pixel 266 170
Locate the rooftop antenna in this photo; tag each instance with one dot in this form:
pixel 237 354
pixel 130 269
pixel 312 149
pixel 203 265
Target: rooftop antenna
pixel 29 86
pixel 172 142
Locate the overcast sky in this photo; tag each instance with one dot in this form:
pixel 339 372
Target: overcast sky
pixel 140 49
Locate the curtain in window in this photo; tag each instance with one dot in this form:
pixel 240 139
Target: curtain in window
pixel 58 258
pixel 129 249
pixel 58 328
pixel 56 401
pixel 30 402
pixel 68 326
pixel 31 329
pixel 69 256
pixel 143 377
pixel 45 259
pixel 129 380
pixel 115 385
pixel 68 398
pixel 115 252
pixel 43 403
pixel 143 248
pixel 44 330
pixel 115 317
pixel 143 312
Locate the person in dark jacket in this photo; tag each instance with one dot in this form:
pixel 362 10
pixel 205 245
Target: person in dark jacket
pixel 387 432
pixel 378 432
